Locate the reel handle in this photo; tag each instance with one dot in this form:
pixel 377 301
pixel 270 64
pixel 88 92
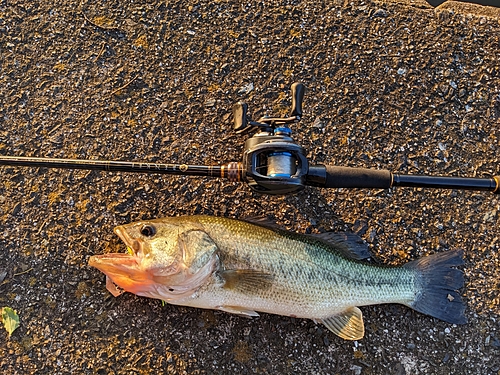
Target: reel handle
pixel 240 110
pixel 298 90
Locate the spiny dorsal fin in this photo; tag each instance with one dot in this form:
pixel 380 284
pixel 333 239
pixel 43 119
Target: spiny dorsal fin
pixel 347 325
pixel 262 221
pixel 349 244
pixel 246 281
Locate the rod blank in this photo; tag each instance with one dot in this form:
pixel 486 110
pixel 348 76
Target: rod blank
pixel 113 166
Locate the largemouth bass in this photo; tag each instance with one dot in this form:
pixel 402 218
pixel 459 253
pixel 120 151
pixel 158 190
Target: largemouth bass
pixel 244 268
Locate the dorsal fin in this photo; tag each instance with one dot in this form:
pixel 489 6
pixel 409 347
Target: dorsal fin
pixel 349 244
pixel 263 221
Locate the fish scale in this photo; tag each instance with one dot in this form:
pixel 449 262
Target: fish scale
pixel 245 268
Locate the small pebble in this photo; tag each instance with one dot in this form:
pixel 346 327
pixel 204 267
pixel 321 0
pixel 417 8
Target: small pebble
pixel 16 209
pixel 209 103
pixel 371 237
pixel 380 13
pixel 446 357
pixel 356 370
pixel 246 89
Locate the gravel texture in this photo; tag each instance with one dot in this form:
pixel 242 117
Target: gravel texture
pixel 406 88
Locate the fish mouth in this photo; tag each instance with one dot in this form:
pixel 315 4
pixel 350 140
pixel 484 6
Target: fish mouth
pixel 122 269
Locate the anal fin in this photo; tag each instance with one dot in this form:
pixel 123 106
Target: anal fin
pixel 347 325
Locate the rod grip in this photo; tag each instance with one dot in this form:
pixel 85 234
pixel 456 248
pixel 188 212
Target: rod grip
pixel 347 177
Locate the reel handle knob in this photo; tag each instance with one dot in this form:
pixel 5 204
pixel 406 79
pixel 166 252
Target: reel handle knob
pixel 240 117
pixel 298 90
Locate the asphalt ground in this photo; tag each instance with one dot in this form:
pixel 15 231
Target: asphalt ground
pixel 395 85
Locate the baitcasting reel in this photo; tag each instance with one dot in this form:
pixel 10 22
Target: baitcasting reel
pixel 272 161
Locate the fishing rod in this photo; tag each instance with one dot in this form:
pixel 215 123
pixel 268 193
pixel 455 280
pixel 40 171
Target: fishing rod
pixel 272 162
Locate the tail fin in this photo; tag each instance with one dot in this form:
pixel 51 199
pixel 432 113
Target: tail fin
pixel 437 284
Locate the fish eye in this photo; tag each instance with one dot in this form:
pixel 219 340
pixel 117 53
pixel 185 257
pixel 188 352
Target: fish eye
pixel 148 230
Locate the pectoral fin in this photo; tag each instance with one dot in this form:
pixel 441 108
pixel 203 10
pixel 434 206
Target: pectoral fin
pixel 348 324
pixel 246 281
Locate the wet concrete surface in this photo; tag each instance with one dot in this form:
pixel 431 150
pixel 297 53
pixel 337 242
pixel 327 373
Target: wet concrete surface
pixel 390 85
